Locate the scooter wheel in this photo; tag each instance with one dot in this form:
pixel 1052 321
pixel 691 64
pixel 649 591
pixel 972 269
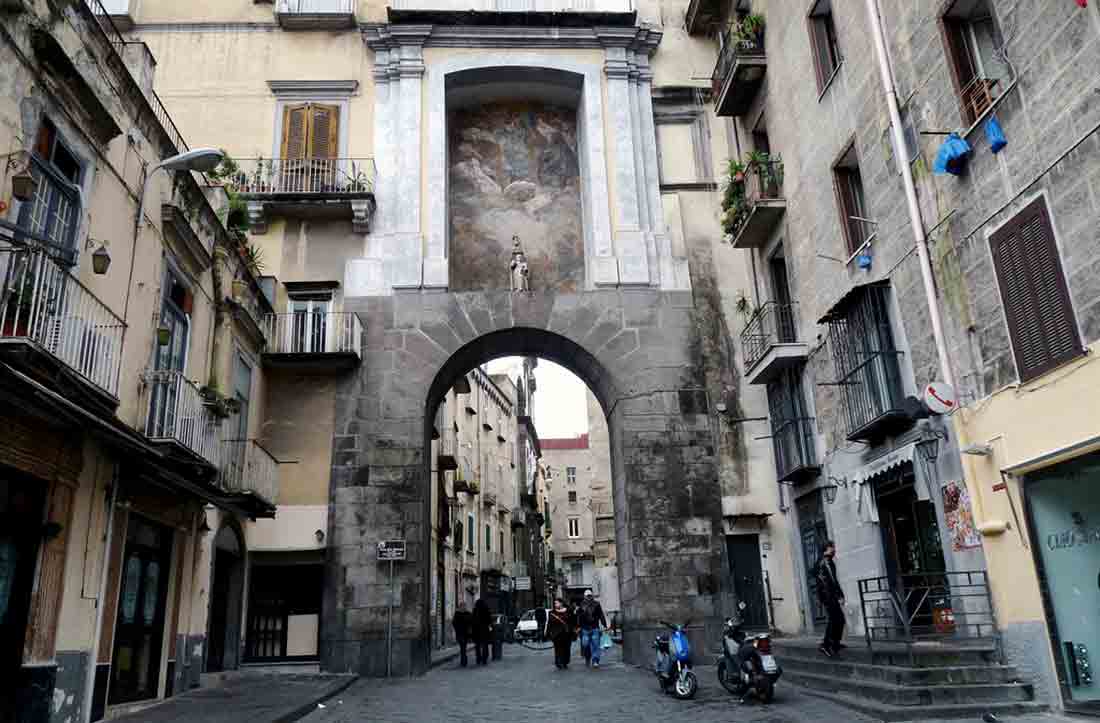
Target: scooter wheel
pixel 728 681
pixel 686 686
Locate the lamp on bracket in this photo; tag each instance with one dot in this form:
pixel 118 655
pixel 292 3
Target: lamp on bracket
pixel 830 490
pixel 928 448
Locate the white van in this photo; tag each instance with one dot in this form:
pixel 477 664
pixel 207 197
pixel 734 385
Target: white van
pixel 528 627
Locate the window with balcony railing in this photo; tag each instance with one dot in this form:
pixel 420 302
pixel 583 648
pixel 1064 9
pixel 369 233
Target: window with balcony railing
pixel 772 323
pixel 974 52
pixel 792 427
pixel 866 360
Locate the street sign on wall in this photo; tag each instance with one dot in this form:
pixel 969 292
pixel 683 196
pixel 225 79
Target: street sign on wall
pixel 391 550
pixel 523 583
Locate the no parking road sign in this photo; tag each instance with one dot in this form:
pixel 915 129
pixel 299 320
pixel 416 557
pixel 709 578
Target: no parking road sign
pixel 391 550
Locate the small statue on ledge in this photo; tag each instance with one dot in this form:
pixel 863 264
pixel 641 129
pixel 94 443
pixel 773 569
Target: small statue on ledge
pixel 520 270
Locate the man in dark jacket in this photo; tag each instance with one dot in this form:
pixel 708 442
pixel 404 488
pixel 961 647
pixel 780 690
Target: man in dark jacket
pixel 590 617
pixel 831 596
pixel 461 623
pixel 482 630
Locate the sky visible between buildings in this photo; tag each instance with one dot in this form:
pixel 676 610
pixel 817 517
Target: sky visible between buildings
pixel 560 404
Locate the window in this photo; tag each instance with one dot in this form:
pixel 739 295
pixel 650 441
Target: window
pixel 571 475
pixel 574 527
pixel 823 43
pixel 973 43
pixel 866 362
pixel 576 574
pixel 242 390
pixel 310 130
pixel 470 542
pixel 572 497
pixel 1034 295
pixel 54 210
pixel 848 183
pixel 458 535
pixel 546 513
pixel 175 313
pixel 500 541
pixel 307 329
pixel 792 427
pixel 488 539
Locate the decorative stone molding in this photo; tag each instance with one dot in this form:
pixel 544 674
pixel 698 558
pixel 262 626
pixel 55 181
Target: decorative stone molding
pixel 313 88
pixel 362 212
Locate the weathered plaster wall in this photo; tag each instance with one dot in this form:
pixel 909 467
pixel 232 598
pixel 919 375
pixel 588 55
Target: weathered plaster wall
pixel 514 171
pixel 298 427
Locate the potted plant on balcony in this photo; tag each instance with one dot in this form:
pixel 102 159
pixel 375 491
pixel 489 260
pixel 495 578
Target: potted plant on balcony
pixel 734 205
pixel 749 32
pixel 217 403
pixel 17 309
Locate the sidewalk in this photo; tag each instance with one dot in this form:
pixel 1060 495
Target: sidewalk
pixel 444 655
pixel 271 698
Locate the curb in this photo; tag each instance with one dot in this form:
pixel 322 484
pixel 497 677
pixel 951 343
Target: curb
pixel 306 708
pixel 436 662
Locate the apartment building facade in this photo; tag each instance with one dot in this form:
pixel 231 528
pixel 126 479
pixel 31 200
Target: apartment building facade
pixel 132 328
pixel 837 330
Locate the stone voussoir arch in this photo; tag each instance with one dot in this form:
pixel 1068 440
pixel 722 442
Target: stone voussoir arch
pixel 639 352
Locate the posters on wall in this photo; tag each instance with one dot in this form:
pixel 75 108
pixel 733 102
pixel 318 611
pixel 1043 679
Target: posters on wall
pixel 959 517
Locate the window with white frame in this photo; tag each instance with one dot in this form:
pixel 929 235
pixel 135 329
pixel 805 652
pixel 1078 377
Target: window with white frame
pixel 54 210
pixel 574 527
pixel 571 475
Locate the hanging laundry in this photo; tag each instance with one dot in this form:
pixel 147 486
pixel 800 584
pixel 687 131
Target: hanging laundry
pixel 952 156
pixel 996 136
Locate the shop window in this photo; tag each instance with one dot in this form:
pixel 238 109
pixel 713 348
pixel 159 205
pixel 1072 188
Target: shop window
pixel 1034 295
pixel 974 53
pixel 823 42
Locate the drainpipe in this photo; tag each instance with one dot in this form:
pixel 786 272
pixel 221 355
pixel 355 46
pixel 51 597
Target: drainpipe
pixel 89 678
pixel 910 190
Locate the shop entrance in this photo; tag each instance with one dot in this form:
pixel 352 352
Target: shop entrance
pixel 748 580
pixel 814 533
pixel 223 638
pixel 20 530
pixel 911 541
pixel 1064 512
pixel 139 630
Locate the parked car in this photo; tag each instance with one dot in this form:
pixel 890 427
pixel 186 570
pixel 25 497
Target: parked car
pixel 528 627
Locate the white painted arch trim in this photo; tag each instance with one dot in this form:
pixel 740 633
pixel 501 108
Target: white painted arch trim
pixel 595 205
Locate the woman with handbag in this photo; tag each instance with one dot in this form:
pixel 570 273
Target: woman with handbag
pixel 560 627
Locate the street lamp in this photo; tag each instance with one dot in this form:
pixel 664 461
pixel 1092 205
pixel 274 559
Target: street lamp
pixel 200 159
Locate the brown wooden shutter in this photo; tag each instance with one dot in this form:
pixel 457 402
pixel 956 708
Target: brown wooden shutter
pixel 46 604
pixel 295 130
pixel 963 71
pixel 845 204
pixel 819 45
pixel 324 122
pixel 1033 288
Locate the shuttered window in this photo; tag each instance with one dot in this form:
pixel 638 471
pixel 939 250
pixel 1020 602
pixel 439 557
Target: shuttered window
pixel 848 183
pixel 1034 294
pixel 973 44
pixel 823 42
pixel 311 130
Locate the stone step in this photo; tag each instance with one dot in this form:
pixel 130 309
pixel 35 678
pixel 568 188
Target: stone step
pixel 924 654
pixel 901 675
pixel 893 713
pixel 911 695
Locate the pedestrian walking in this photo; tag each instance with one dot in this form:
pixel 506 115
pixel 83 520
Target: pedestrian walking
pixel 560 628
pixel 831 596
pixel 461 623
pixel 482 630
pixel 590 618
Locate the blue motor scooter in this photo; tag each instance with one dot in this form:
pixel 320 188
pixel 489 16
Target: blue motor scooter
pixel 673 666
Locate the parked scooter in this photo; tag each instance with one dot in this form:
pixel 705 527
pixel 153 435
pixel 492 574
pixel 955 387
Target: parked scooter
pixel 673 666
pixel 747 667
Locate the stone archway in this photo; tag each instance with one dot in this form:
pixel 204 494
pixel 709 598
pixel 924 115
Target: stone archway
pixel 223 633
pixel 640 352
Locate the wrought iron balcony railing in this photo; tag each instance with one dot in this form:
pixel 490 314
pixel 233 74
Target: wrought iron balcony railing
pixel 793 440
pixel 773 323
pixel 738 73
pixel 315 7
pixel 42 302
pixel 309 177
pixel 515 6
pixel 176 413
pixel 248 468
pixel 332 332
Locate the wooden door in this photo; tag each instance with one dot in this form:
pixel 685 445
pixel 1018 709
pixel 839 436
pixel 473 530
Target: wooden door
pixel 748 579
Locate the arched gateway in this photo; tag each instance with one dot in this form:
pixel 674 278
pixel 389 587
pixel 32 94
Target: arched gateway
pixel 639 351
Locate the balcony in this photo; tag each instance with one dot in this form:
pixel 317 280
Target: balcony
pixel 49 319
pixel 313 341
pixel 519 517
pixel 702 16
pixel 177 416
pixel 249 470
pixel 340 188
pixel 762 207
pixel 398 8
pixel 121 12
pixel 795 455
pixel 738 74
pixel 446 455
pixel 489 499
pixel 770 343
pixel 315 14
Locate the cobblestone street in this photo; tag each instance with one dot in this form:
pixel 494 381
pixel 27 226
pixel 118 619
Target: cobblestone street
pixel 524 686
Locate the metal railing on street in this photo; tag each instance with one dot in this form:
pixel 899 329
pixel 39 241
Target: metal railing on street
pixel 44 303
pixel 304 176
pixel 943 606
pixel 332 332
pixel 176 412
pixel 250 469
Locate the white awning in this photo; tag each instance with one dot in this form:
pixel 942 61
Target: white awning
pixel 885 463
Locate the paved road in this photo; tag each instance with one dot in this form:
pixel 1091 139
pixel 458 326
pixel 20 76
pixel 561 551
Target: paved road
pixel 524 686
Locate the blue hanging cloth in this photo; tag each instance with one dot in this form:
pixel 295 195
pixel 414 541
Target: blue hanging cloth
pixel 996 136
pixel 952 156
